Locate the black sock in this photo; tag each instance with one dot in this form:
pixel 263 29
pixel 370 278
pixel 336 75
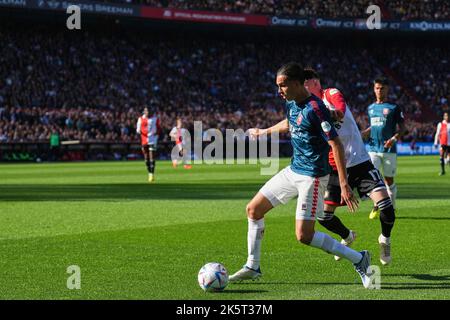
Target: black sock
pixel 335 225
pixel 147 164
pixel 442 165
pixel 151 167
pixel 387 216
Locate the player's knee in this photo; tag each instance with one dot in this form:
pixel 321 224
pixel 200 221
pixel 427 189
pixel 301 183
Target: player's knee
pixel 253 213
pixel 325 218
pixel 387 212
pixel 304 237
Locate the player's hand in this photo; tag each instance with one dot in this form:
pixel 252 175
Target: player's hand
pixel 336 115
pixel 348 197
pixel 389 143
pixel 254 133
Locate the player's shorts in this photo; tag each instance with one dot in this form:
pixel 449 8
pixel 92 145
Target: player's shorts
pixel 152 143
pixel 386 162
pixel 287 184
pixel 445 148
pixel 364 177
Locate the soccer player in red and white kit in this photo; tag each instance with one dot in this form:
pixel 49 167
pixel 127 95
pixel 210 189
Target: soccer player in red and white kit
pixel 180 136
pixel 442 137
pixel 362 175
pixel 149 128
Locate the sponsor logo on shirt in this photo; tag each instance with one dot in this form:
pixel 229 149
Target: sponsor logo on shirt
pixel 386 111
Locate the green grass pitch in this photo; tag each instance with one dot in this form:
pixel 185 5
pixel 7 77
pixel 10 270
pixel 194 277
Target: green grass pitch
pixel 135 240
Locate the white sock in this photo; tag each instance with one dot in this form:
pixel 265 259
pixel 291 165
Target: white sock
pixel 325 242
pixel 392 191
pixel 254 239
pixel 384 239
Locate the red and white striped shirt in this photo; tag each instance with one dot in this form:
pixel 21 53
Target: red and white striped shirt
pixel 148 128
pixel 442 133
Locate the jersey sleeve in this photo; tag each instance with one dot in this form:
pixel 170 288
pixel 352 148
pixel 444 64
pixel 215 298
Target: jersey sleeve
pixel 138 126
pixel 438 131
pixel 336 98
pixel 320 117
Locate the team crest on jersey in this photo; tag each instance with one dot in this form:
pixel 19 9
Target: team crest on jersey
pixel 299 119
pixel 386 111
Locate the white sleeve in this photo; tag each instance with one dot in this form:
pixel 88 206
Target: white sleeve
pixel 138 126
pixel 438 130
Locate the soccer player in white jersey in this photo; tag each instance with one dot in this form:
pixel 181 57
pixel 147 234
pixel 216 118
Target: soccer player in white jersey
pixel 362 175
pixel 180 136
pixel 149 129
pixel 312 134
pixel 442 138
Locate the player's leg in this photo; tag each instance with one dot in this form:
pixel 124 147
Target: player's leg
pixel 310 203
pixel 329 220
pixel 377 161
pixel 177 155
pixel 146 153
pixel 387 219
pixel 390 170
pixel 442 159
pixel 447 157
pixel 278 190
pixel 152 163
pixel 311 193
pixel 184 154
pixel 371 184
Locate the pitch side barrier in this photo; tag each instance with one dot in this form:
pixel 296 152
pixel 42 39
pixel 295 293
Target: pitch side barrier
pixel 74 150
pixel 196 16
pixel 93 150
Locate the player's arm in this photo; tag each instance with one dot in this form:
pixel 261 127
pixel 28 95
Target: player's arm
pixel 173 134
pixel 365 134
pixel 336 98
pixel 436 137
pixel 401 129
pixel 346 191
pixel 138 126
pixel 281 127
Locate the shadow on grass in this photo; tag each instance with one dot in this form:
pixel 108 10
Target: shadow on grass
pixel 425 277
pixel 120 192
pixel 423 218
pixel 241 291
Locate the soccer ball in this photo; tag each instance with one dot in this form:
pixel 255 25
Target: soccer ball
pixel 213 277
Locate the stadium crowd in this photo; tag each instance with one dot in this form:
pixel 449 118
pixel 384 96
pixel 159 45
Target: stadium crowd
pixel 93 86
pixel 396 9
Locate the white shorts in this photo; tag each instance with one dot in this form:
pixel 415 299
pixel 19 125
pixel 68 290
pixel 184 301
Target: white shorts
pixel 287 184
pixel 385 162
pixel 153 143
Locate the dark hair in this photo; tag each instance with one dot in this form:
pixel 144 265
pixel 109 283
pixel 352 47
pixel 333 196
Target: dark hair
pixel 310 73
pixel 293 71
pixel 381 80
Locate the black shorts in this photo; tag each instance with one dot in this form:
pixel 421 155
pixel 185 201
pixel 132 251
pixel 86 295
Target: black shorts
pixel 364 177
pixel 445 148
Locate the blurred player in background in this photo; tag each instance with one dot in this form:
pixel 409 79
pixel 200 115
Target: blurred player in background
pixel 361 173
pixel 442 138
pixel 149 128
pixel 309 122
pixel 180 135
pixel 384 118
